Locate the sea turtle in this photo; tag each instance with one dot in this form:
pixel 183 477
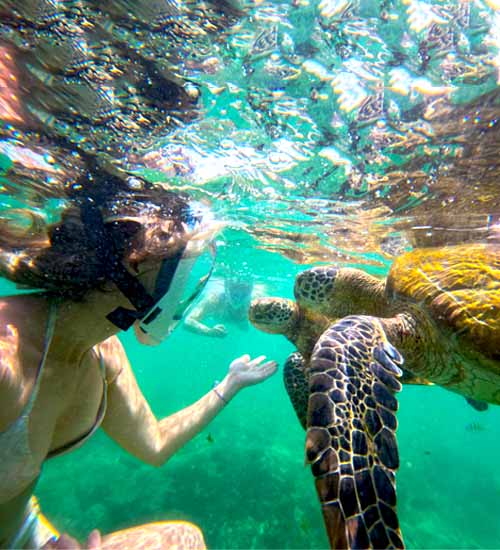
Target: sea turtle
pixel 439 308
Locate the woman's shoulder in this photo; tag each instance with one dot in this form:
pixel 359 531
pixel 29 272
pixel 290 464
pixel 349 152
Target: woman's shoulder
pixel 12 381
pixel 112 353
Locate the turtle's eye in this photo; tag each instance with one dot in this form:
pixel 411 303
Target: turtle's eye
pixel 260 310
pixel 259 315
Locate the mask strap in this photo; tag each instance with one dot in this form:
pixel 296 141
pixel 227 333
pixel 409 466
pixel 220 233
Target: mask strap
pixel 166 274
pixel 106 252
pixel 163 281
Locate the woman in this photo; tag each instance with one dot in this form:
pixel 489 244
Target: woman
pixel 123 260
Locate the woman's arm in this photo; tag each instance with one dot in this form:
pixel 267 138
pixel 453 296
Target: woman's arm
pixel 131 423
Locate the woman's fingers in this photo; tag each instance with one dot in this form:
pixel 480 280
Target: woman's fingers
pixel 270 366
pixel 256 361
pixel 265 370
pixel 253 370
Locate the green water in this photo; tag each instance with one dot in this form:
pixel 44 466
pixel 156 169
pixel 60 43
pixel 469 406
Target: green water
pixel 249 488
pixel 296 174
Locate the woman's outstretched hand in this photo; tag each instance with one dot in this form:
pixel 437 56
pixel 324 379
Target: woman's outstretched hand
pixel 247 372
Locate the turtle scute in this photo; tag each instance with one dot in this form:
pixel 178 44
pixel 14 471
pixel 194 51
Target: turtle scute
pixel 460 287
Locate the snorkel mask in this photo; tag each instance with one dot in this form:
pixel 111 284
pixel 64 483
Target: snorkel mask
pixel 179 283
pixel 180 280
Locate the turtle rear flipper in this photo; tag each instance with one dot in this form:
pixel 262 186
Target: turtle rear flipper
pixel 351 441
pixel 296 385
pixel 477 404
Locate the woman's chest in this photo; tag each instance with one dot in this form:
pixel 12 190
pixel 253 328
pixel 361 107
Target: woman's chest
pixel 67 405
pixel 62 407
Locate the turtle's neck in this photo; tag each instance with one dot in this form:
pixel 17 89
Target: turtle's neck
pixel 306 330
pixel 357 293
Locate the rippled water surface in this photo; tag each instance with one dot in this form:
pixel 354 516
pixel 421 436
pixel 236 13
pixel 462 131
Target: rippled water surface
pixel 320 131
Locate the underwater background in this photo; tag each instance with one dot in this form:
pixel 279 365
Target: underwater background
pixel 247 486
pixel 326 131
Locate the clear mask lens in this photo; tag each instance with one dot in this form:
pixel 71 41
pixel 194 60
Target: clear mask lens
pixel 190 277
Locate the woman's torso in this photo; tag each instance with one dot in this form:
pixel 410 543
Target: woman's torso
pixel 58 416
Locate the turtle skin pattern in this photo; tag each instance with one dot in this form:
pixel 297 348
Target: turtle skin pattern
pixel 296 385
pixel 351 441
pixel 441 307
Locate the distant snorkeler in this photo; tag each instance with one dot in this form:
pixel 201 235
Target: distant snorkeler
pixel 127 261
pixel 225 304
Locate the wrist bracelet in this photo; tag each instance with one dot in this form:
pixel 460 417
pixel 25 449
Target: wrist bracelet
pixel 219 395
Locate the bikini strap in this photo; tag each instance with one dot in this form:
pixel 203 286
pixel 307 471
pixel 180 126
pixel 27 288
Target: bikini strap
pixel 49 333
pixel 102 365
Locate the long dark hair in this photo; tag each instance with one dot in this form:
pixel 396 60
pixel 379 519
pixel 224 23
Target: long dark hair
pixel 63 257
pixel 93 84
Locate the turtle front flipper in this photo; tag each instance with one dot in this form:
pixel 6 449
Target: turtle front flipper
pixel 351 426
pixel 296 385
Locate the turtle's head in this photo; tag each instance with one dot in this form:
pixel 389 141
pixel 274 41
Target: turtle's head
pixel 274 315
